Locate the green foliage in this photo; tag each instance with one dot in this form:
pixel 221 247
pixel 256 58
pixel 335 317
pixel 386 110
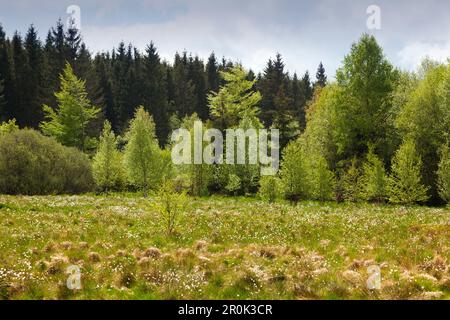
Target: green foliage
pixel 234 184
pixel 107 163
pixel 367 79
pixel 444 174
pixel 146 165
pixel 350 182
pixel 425 118
pixel 33 164
pixel 269 188
pixel 197 176
pixel 8 127
pixel 169 204
pixel 294 173
pixel 235 100
pixel 405 183
pixel 69 123
pixel 374 179
pixel 322 179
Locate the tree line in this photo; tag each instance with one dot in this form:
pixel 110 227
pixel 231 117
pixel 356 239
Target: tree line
pixel 375 134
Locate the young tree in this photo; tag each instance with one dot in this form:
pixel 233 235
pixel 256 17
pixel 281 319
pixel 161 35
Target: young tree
pixel 197 176
pixel 295 173
pixel 374 179
pixel 322 179
pixel 444 174
pixel 405 185
pixel 69 122
pixel 351 182
pixel 107 163
pixel 145 164
pixel 235 100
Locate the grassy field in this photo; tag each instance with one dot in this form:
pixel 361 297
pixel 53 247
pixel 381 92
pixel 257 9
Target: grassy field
pixel 223 248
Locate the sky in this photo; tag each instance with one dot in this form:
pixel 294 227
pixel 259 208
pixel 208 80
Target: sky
pixel 304 32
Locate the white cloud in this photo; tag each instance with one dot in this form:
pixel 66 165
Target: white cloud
pixel 411 56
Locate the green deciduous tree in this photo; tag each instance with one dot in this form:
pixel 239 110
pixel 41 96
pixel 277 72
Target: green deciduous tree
pixel 425 118
pixel 350 182
pixel 321 177
pixel 405 183
pixel 146 165
pixel 374 179
pixel 444 174
pixel 107 163
pixel 69 122
pixel 367 79
pixel 295 173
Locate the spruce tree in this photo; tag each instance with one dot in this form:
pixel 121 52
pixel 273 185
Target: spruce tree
pixel 321 78
pixel 155 95
pixel 405 183
pixel 212 74
pixel 2 102
pixel 284 119
pixel 107 163
pixel 6 76
pixel 34 85
pixel 69 122
pixel 185 97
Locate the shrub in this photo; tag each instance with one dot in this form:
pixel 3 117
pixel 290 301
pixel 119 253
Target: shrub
pixel 269 188
pixel 33 164
pixel 169 204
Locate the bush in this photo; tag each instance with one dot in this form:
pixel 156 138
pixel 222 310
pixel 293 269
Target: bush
pixel 32 164
pixel 270 188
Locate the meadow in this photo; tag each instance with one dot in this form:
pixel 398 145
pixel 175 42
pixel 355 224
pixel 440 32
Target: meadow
pixel 221 248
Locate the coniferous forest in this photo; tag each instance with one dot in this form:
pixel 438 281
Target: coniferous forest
pixel 92 205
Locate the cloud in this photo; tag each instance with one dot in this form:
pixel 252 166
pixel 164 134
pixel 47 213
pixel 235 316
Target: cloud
pixel 411 56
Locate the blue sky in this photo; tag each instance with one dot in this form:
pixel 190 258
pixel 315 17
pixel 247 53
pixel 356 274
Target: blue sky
pixel 250 31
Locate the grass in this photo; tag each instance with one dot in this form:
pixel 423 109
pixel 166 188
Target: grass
pixel 223 248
